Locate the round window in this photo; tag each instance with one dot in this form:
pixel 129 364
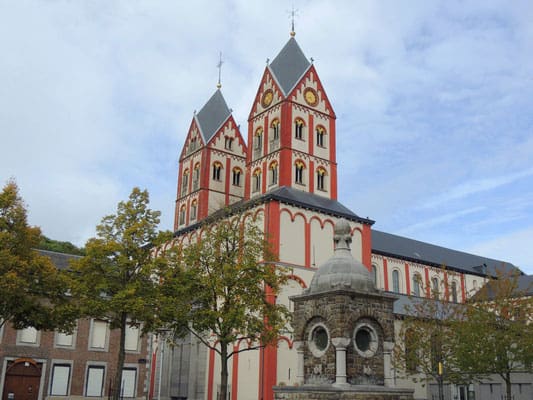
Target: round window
pixel 318 340
pixel 365 340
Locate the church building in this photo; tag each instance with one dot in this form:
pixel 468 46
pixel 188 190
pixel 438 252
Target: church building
pixel 285 176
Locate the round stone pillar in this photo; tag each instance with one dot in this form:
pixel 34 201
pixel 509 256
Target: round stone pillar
pixel 340 344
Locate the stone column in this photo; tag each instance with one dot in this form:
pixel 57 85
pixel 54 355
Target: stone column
pixel 299 346
pixel 340 344
pixel 387 364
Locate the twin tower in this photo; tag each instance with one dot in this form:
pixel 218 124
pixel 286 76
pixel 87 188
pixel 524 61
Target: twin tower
pixel 291 143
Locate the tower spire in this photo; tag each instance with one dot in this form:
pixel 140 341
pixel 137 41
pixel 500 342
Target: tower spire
pixel 219 66
pixel 293 14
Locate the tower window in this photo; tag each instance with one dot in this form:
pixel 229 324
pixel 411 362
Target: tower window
pixel 182 215
pixel 228 143
pixel 236 176
pixel 217 167
pixel 320 178
pixel 299 172
pixel 185 182
pixel 194 209
pixel 257 180
pixel 196 177
pixel 274 173
pixel 320 133
pixel 275 129
pixel 298 129
pixel 258 138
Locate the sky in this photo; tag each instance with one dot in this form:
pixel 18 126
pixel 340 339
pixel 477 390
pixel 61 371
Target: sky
pixel 434 105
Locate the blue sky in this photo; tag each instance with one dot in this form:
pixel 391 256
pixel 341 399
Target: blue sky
pixel 434 106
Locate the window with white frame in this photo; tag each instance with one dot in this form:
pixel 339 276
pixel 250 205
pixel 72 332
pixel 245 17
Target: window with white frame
pixel 95 381
pixel 60 380
pixel 64 339
pixel 396 281
pixel 132 338
pixel 98 334
pixel 28 335
pixel 129 380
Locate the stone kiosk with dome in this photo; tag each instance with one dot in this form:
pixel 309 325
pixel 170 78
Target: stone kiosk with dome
pixel 344 333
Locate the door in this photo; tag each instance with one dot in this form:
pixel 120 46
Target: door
pixel 23 377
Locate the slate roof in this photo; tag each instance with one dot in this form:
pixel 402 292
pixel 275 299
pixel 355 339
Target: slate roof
pixel 413 250
pixel 212 115
pixel 312 201
pixel 60 260
pixel 289 66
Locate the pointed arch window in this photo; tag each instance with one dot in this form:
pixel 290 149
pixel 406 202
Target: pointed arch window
pixel 320 134
pixel 257 180
pixel 321 178
pixel 217 168
pixel 185 182
pixel 194 209
pixel 196 177
pixel 299 128
pixel 273 172
pixel 299 167
pixel 237 172
pixel 396 281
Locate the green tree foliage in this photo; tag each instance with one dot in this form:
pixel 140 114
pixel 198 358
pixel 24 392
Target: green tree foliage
pixel 32 289
pixel 114 281
pixel 424 351
pixel 495 332
pixel 59 247
pixel 218 287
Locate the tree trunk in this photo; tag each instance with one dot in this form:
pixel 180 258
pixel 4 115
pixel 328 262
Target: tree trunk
pixel 223 371
pixel 508 386
pixel 120 359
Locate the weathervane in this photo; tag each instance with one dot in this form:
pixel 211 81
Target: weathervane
pixel 293 14
pixel 219 66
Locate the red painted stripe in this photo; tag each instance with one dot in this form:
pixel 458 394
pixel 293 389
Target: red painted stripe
pixel 367 246
pixel 308 247
pixel 428 286
pixel 385 274
pixel 311 138
pixel 211 375
pixel 311 176
pixel 446 289
pixel 152 375
pixel 228 176
pixel 235 373
pixel 332 157
pixel 463 289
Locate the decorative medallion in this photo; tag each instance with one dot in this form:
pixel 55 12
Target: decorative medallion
pixel 311 97
pixel 266 100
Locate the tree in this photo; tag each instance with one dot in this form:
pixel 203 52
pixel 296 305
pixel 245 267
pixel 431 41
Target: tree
pixel 495 333
pixel 114 281
pixel 60 247
pixel 218 287
pixel 33 291
pixel 425 350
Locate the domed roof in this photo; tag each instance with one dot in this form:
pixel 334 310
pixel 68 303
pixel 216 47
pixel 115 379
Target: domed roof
pixel 342 271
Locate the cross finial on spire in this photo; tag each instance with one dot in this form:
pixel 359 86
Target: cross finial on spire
pixel 219 66
pixel 294 13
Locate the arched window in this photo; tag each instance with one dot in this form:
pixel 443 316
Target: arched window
pixel 299 128
pixel 435 287
pixel 320 178
pixel 258 138
pixel 273 172
pixel 275 129
pixel 299 167
pixel 257 180
pixel 417 280
pixel 182 214
pixel 320 133
pixel 194 209
pixel 375 275
pixel 396 281
pixel 237 172
pixel 217 167
pixel 454 291
pixel 185 182
pixel 228 142
pixel 196 177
